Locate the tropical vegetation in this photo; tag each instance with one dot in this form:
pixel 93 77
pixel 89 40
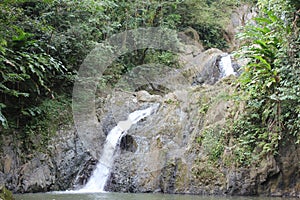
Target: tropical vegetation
pixel 269 84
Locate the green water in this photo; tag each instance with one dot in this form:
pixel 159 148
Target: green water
pixel 126 196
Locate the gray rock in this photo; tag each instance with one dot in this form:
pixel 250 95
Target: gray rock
pixel 56 168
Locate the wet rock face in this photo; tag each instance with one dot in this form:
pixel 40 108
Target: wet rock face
pixel 84 173
pixel 128 144
pixel 165 157
pixel 56 168
pixel 239 17
pixel 280 175
pixel 168 156
pixel 275 176
pixel 210 74
pixel 70 159
pixel 212 70
pixel 37 175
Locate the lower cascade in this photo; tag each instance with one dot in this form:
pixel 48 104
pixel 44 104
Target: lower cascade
pixel 99 177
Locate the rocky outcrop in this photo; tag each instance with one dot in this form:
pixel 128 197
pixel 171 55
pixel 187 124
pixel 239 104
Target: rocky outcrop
pixel 180 148
pixel 168 158
pixel 54 168
pixel 239 18
pixel 172 151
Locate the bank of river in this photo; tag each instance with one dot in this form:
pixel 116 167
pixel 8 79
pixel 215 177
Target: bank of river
pixel 128 196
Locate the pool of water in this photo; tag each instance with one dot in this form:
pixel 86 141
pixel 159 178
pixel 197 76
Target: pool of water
pixel 127 196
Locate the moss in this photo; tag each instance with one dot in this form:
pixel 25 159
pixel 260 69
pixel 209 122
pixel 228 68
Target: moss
pixel 182 171
pixel 205 172
pixel 169 101
pixel 213 143
pixel 5 194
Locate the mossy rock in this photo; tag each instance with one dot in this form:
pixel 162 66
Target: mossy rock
pixel 5 194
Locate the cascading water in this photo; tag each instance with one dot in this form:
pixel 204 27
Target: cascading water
pixel 226 66
pixel 100 175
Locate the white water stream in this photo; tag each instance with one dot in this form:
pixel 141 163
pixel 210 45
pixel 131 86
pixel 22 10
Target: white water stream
pixel 226 66
pixel 99 177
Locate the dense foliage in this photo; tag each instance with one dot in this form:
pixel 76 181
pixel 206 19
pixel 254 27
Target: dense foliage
pixel 270 82
pixel 43 43
pixel 209 19
pixel 27 70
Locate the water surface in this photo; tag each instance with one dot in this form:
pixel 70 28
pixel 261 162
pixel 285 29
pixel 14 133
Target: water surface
pixel 127 196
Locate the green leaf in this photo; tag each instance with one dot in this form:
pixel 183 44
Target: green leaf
pixel 263 20
pixel 263 61
pixel 273 17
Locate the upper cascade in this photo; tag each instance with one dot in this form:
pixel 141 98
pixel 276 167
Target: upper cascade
pixel 226 67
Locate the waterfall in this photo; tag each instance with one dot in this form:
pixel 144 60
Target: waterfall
pixel 226 66
pixel 99 177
